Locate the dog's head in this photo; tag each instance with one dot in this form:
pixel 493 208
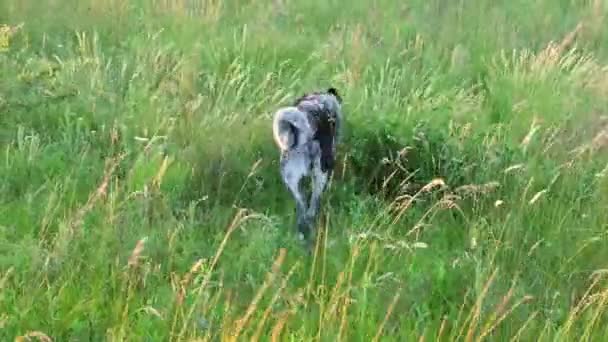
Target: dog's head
pixel 333 91
pixel 327 102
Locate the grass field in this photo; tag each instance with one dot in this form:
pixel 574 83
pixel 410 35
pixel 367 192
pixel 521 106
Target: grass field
pixel 139 190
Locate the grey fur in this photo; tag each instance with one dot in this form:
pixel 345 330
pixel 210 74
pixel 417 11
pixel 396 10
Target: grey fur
pixel 306 134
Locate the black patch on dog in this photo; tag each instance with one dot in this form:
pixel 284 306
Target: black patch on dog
pixel 294 133
pixel 325 136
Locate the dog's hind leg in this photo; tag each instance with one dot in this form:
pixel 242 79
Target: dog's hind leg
pixel 319 183
pixel 292 172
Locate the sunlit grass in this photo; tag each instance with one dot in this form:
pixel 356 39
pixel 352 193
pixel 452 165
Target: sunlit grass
pixel 140 196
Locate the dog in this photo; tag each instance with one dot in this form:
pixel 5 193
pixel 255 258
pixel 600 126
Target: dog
pixel 306 134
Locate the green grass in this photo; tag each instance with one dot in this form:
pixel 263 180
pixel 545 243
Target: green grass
pixel 139 191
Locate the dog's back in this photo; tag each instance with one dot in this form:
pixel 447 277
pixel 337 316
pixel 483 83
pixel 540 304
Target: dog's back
pixel 313 116
pixel 324 111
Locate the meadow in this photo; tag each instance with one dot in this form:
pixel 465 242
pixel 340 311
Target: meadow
pixel 140 198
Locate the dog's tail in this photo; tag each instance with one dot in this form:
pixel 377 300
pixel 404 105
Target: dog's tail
pixel 289 127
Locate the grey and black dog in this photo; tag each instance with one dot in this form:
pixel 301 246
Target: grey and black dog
pixel 307 133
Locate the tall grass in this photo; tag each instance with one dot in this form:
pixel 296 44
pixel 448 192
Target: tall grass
pixel 140 198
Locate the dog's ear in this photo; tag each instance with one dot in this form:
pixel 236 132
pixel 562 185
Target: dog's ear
pixel 334 92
